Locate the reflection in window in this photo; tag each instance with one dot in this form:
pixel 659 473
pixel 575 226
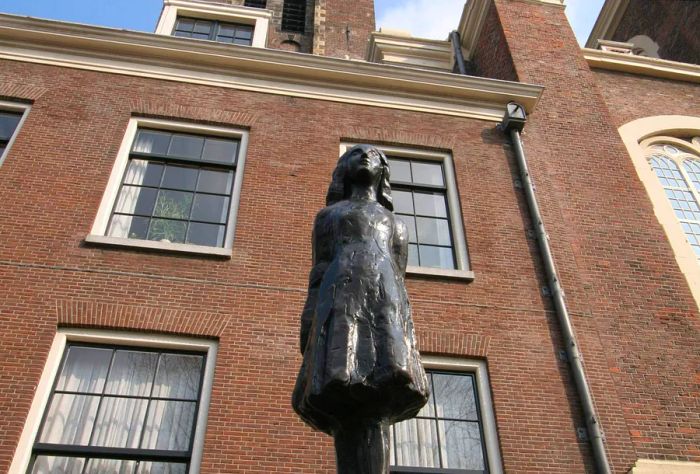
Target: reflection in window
pixel 447 435
pixel 120 410
pixel 8 125
pixel 176 188
pixel 214 30
pixel 678 170
pixel 420 200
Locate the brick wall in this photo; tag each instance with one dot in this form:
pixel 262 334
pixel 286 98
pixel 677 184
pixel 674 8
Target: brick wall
pixel 672 24
pixel 51 185
pixel 616 265
pixel 343 28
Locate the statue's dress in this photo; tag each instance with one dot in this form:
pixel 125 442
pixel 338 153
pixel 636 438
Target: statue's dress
pixel 360 361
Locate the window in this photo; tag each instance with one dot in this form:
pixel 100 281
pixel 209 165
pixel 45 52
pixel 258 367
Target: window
pixel 294 16
pixel 425 197
pixel 677 167
pixel 256 3
pixel 222 22
pixel 111 402
pixel 455 431
pixel 173 187
pixel 420 200
pixel 214 30
pixel 11 117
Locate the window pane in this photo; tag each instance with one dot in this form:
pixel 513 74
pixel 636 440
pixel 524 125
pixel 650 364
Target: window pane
pixel 692 234
pixel 416 443
pixel 143 172
pixel 437 257
pixel 221 151
pixel 244 33
pixel 110 466
pixel 70 419
pixel 56 465
pixel 692 167
pixel 178 376
pixel 200 35
pixel 430 204
pixel 173 204
pixel 210 208
pixel 186 146
pixel 148 141
pixel 180 177
pixel 226 30
pixel 455 396
pixel 413 255
pixel 410 222
pixel 2 149
pixel 400 170
pixel 169 425
pixel 215 181
pixel 119 422
pixel 8 124
pixel 165 230
pixel 433 231
pixel 206 234
pixel 132 373
pixel 203 27
pixel 161 468
pixel 136 200
pixel 403 201
pixel 461 445
pixel 244 42
pixel 427 173
pixel 224 39
pixel 128 227
pixel 84 369
pixel 185 24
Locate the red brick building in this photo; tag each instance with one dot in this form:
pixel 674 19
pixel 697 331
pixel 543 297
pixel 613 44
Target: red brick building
pixel 157 195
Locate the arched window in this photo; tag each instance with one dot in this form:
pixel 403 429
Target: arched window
pixel 676 163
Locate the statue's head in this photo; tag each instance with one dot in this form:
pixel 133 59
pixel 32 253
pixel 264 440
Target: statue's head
pixel 340 184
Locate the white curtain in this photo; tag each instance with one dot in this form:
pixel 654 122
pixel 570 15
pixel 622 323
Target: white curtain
pixel 117 421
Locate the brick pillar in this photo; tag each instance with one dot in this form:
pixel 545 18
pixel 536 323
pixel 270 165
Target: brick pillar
pixel 606 241
pixel 342 27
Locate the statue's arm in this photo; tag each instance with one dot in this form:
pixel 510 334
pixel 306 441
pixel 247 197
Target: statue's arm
pixel 401 245
pixel 320 259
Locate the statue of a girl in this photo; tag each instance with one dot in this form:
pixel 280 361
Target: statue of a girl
pixel 361 371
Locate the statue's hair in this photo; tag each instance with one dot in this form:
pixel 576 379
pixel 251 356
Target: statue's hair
pixel 339 188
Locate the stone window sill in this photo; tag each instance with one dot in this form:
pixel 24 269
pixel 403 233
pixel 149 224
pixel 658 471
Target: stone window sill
pixel 463 275
pixel 160 246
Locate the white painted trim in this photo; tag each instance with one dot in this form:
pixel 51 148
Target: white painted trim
pixel 643 65
pixel 453 203
pixel 471 24
pixel 260 70
pixel 412 52
pixel 635 135
pixel 6 106
pixel 466 275
pixel 20 461
pixel 653 466
pixel 478 367
pixel 607 22
pixel 258 17
pixel 99 227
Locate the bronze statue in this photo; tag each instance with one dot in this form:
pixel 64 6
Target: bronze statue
pixel 361 371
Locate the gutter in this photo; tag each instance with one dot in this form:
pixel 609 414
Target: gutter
pixel 513 123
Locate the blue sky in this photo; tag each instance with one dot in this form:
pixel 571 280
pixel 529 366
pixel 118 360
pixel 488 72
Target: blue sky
pixel 423 18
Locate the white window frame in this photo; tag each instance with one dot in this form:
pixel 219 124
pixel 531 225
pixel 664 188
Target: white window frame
pixel 23 453
pixel 462 272
pixel 99 227
pixel 16 107
pixel 259 18
pixel 483 387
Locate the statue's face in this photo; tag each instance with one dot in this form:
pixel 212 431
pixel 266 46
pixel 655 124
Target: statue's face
pixel 364 165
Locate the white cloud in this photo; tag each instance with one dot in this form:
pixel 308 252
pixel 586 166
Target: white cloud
pixel 423 18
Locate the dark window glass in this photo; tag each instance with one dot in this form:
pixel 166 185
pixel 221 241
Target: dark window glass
pixel 176 188
pixel 256 3
pixel 8 125
pixel 133 409
pixel 420 201
pixel 214 30
pixel 294 16
pixel 447 435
